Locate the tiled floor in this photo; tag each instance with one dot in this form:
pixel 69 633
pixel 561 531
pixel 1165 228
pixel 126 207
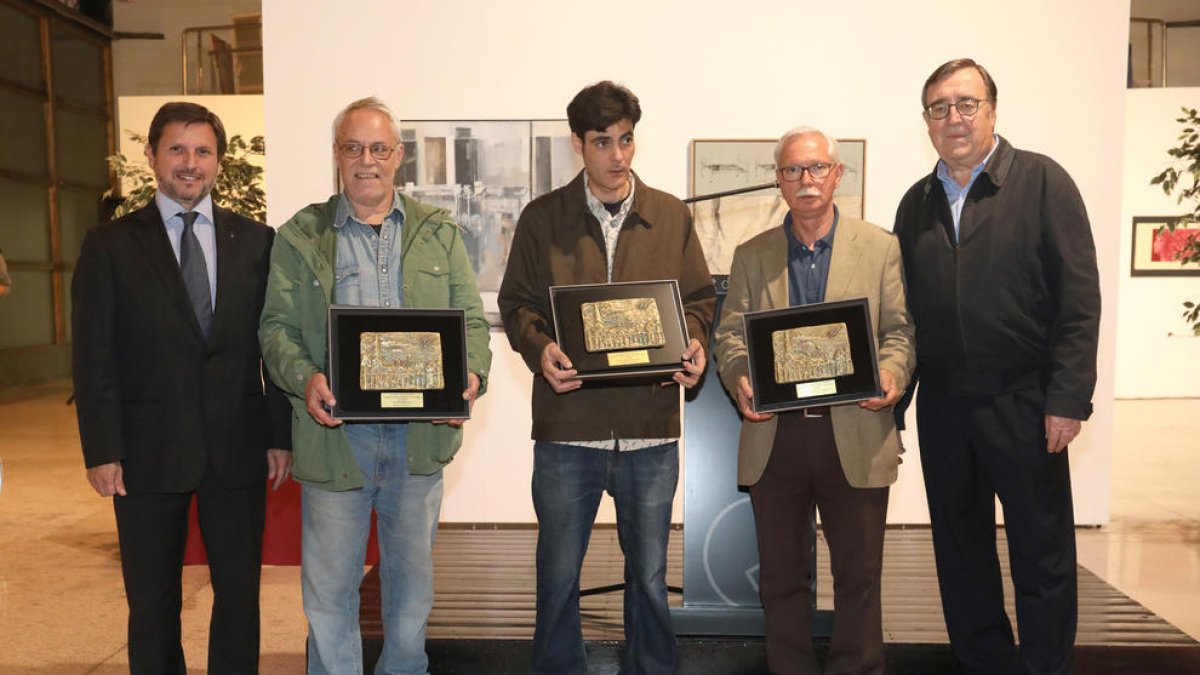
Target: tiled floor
pixel 62 610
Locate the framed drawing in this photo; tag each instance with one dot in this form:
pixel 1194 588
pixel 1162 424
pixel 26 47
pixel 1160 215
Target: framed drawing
pixel 726 164
pixel 1156 247
pixel 484 172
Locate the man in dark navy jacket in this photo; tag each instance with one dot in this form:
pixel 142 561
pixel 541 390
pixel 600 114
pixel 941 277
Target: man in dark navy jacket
pixel 1004 290
pixel 171 398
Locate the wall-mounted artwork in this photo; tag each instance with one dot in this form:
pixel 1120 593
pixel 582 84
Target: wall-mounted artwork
pixel 484 172
pixel 720 165
pixel 1155 247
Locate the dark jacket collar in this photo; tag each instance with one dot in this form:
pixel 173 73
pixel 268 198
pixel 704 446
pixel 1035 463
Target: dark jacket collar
pixel 996 171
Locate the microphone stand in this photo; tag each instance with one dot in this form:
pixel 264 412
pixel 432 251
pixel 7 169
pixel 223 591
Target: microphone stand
pixel 727 193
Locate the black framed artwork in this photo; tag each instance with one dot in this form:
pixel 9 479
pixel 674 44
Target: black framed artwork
pixel 811 355
pixel 622 329
pixel 397 364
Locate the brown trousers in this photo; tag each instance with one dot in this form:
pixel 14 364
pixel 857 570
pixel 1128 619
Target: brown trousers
pixel 804 471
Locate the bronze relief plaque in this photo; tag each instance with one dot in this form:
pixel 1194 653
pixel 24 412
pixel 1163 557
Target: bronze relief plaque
pixel 626 323
pixel 811 353
pixel 400 360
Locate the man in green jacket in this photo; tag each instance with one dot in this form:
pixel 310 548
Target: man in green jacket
pixel 368 246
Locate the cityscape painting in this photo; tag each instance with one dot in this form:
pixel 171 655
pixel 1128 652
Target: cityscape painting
pixel 484 172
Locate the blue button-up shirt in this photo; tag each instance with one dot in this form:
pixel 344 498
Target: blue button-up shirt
pixel 957 194
pixel 369 275
pixel 808 268
pixel 204 228
pixel 368 264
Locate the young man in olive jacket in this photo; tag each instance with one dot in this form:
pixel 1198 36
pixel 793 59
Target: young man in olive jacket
pixel 369 246
pixel 620 437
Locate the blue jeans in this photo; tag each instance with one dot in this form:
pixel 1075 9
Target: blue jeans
pixel 568 482
pixel 334 544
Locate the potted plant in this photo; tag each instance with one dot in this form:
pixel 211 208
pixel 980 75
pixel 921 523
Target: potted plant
pixel 1186 166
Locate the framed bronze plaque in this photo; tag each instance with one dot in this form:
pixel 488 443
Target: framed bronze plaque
pixel 811 355
pixel 623 329
pixel 397 364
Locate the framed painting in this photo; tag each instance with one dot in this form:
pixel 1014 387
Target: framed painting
pixel 1156 247
pixel 484 172
pixel 718 165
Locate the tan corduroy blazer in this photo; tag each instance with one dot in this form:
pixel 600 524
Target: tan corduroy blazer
pixel 865 264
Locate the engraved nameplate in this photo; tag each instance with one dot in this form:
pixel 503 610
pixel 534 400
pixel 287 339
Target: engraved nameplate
pixel 634 358
pixel 818 388
pixel 410 361
pixel 811 353
pixel 627 323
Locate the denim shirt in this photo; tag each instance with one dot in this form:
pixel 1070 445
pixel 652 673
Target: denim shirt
pixel 369 274
pixel 369 270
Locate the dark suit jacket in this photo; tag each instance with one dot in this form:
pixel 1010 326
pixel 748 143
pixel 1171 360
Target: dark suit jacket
pixel 149 391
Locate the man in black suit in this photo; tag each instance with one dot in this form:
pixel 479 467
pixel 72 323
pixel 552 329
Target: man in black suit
pixel 170 394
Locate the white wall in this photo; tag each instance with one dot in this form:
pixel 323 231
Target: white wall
pixel 1156 353
pixel 709 70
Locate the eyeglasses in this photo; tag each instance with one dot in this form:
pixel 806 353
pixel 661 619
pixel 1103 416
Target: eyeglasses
pixel 819 171
pixel 354 150
pixel 966 107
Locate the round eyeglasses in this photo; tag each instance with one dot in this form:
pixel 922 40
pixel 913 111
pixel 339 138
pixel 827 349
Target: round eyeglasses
pixel 354 150
pixel 818 172
pixel 966 107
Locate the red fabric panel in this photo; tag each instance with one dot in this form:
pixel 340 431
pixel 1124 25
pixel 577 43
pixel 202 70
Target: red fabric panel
pixel 281 540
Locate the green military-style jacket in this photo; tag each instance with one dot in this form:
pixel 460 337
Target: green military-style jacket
pixel 293 332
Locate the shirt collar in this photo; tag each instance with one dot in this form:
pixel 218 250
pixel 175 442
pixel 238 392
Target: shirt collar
pixel 168 208
pixel 345 212
pixel 597 207
pixel 825 242
pixel 943 170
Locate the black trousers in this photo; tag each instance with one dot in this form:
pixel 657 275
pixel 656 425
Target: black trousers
pixel 974 449
pixel 152 529
pixel 805 471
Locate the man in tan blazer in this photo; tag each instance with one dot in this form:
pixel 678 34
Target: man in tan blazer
pixel 840 459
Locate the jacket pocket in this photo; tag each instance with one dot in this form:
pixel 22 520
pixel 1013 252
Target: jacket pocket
pixel 429 284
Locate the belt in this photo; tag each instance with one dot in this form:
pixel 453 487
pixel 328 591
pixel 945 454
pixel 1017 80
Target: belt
pixel 816 411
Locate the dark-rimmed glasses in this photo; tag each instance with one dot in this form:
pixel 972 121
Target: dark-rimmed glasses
pixel 966 107
pixel 818 172
pixel 354 150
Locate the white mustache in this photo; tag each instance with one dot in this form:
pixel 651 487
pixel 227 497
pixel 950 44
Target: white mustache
pixel 810 191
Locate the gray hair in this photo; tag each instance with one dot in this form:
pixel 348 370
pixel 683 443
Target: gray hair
pixel 368 103
pixel 830 142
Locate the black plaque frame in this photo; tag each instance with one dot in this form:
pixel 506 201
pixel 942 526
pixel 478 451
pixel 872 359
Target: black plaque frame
pixel 347 323
pixel 770 396
pixel 565 303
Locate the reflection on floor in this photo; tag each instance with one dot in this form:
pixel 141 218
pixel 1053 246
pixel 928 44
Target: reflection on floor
pixel 62 608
